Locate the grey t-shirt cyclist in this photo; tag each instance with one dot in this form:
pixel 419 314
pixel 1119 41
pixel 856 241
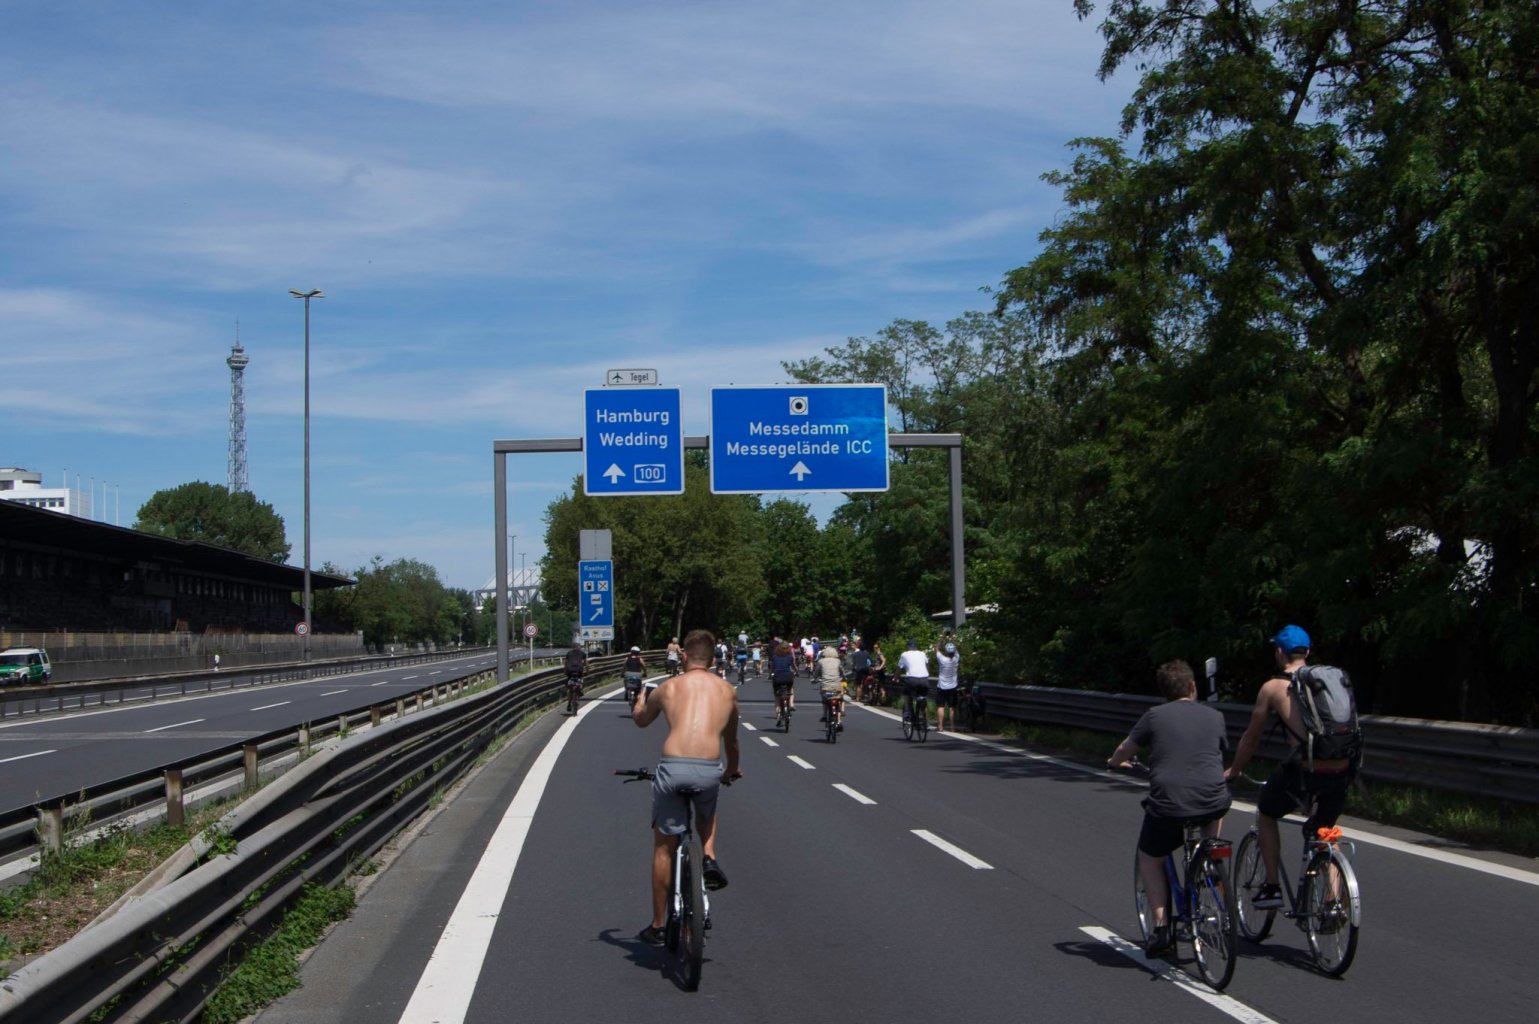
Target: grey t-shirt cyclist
pixel 1186 743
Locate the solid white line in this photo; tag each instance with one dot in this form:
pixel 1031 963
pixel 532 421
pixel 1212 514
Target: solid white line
pixel 280 704
pixel 771 742
pixel 1171 973
pixel 796 760
pixel 854 795
pixel 23 757
pixel 448 981
pixel 750 727
pixel 956 851
pixel 1507 871
pixel 332 693
pixel 178 725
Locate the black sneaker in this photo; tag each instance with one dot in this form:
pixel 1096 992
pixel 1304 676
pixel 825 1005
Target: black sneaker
pixel 711 872
pixel 1268 897
pixel 1161 943
pixel 653 936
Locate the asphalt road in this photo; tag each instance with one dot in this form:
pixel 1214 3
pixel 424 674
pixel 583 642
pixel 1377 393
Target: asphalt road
pixel 838 909
pixel 50 755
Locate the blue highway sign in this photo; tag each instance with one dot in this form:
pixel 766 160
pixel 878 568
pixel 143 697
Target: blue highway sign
pixel 799 437
pixel 632 441
pixel 596 600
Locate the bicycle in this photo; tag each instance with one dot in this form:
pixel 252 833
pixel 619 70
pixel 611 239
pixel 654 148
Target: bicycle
pixel 834 715
pixel 742 670
pixel 573 693
pixel 971 708
pixel 1198 905
pixel 783 707
pixel 689 906
pixel 633 681
pixel 1328 907
pixel 916 717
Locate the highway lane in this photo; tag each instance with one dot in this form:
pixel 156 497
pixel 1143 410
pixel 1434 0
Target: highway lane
pixel 838 908
pixel 45 756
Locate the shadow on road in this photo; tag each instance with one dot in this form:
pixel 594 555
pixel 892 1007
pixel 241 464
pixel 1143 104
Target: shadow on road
pixel 1100 954
pixel 648 958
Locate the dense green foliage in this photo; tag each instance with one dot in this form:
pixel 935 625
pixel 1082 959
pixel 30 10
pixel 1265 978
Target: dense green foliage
pixel 1278 360
pixel 401 602
pixel 210 513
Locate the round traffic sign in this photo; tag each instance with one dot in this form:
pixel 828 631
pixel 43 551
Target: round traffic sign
pixel 301 629
pixel 531 630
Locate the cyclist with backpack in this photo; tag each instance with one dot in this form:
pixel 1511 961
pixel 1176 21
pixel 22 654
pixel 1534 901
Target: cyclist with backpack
pixel 576 668
pixel 1316 707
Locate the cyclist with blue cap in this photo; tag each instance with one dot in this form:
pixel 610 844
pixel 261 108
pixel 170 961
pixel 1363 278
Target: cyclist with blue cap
pixel 1320 788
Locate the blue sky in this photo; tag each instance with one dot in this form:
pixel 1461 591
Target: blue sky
pixel 500 201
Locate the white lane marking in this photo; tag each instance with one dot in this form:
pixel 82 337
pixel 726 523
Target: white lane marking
pixel 771 742
pixel 435 672
pixel 382 682
pixel 178 725
pixel 956 851
pixel 443 993
pixel 332 693
pixel 405 678
pixel 796 760
pixel 750 727
pixel 1507 871
pixel 280 704
pixel 23 757
pixel 1171 973
pixel 855 795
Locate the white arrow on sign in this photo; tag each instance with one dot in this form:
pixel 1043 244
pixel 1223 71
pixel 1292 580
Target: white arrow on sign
pixel 614 473
pixel 800 470
pixel 596 613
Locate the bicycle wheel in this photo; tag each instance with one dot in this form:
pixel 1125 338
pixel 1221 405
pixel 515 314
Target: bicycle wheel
pixel 1141 904
pixel 833 727
pixel 1331 912
pixel 1249 877
pixel 921 721
pixel 692 913
pixel 908 726
pixel 571 701
pixel 1213 926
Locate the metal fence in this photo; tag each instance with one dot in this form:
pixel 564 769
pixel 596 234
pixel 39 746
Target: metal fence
pixel 161 952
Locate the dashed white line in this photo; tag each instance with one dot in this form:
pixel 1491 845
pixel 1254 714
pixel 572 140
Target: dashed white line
pixel 382 682
pixel 750 728
pixel 178 725
pixel 796 760
pixel 332 693
pixel 956 851
pixel 771 742
pixel 23 757
pixel 405 678
pixel 280 704
pixel 855 795
pixel 1171 973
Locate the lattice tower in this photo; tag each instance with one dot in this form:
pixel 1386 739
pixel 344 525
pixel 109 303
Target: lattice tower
pixel 237 364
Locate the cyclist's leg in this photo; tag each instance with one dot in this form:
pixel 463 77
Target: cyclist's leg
pixel 1158 838
pixel 662 872
pixel 1278 797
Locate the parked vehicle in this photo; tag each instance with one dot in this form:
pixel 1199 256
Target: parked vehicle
pixel 25 665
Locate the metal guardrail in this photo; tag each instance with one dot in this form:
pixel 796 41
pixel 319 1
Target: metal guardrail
pixel 1492 760
pixel 161 954
pixel 57 697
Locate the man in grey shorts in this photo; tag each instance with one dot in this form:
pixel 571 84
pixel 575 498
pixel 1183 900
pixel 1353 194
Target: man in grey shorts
pixel 702 714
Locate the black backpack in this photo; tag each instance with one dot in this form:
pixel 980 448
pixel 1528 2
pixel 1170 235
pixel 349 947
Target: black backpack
pixel 1328 709
pixel 576 660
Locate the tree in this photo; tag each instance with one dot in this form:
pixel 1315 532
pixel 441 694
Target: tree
pixel 210 513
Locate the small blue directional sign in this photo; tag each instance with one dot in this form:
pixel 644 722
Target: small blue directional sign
pixel 596 600
pixel 799 437
pixel 632 441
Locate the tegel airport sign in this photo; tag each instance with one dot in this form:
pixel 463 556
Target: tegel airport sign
pixel 799 437
pixel 632 441
pixel 630 378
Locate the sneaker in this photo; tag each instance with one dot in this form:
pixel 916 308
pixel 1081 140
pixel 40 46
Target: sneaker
pixel 1268 897
pixel 1161 943
pixel 653 936
pixel 712 874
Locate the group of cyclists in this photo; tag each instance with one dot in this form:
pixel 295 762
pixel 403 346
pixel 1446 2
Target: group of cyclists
pixel 1185 740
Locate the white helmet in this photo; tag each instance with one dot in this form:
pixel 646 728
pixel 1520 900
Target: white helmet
pixel 635 650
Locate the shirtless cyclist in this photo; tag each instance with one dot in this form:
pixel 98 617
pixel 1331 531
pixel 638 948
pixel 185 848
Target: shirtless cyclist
pixel 702 715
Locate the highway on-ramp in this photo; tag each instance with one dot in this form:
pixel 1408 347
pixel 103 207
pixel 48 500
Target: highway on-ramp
pixel 875 880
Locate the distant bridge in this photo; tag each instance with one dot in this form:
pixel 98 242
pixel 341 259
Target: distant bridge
pixel 524 587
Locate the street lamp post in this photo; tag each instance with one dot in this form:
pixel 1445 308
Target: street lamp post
pixel 313 293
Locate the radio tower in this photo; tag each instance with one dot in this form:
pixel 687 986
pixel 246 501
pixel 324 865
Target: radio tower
pixel 237 363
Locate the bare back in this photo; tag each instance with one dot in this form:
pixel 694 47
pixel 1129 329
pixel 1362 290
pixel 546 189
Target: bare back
pixel 701 709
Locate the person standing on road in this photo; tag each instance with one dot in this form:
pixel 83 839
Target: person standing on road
pixel 946 679
pixel 914 667
pixel 702 713
pixel 1186 740
pixel 674 653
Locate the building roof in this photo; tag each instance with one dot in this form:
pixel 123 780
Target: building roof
pixel 35 526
